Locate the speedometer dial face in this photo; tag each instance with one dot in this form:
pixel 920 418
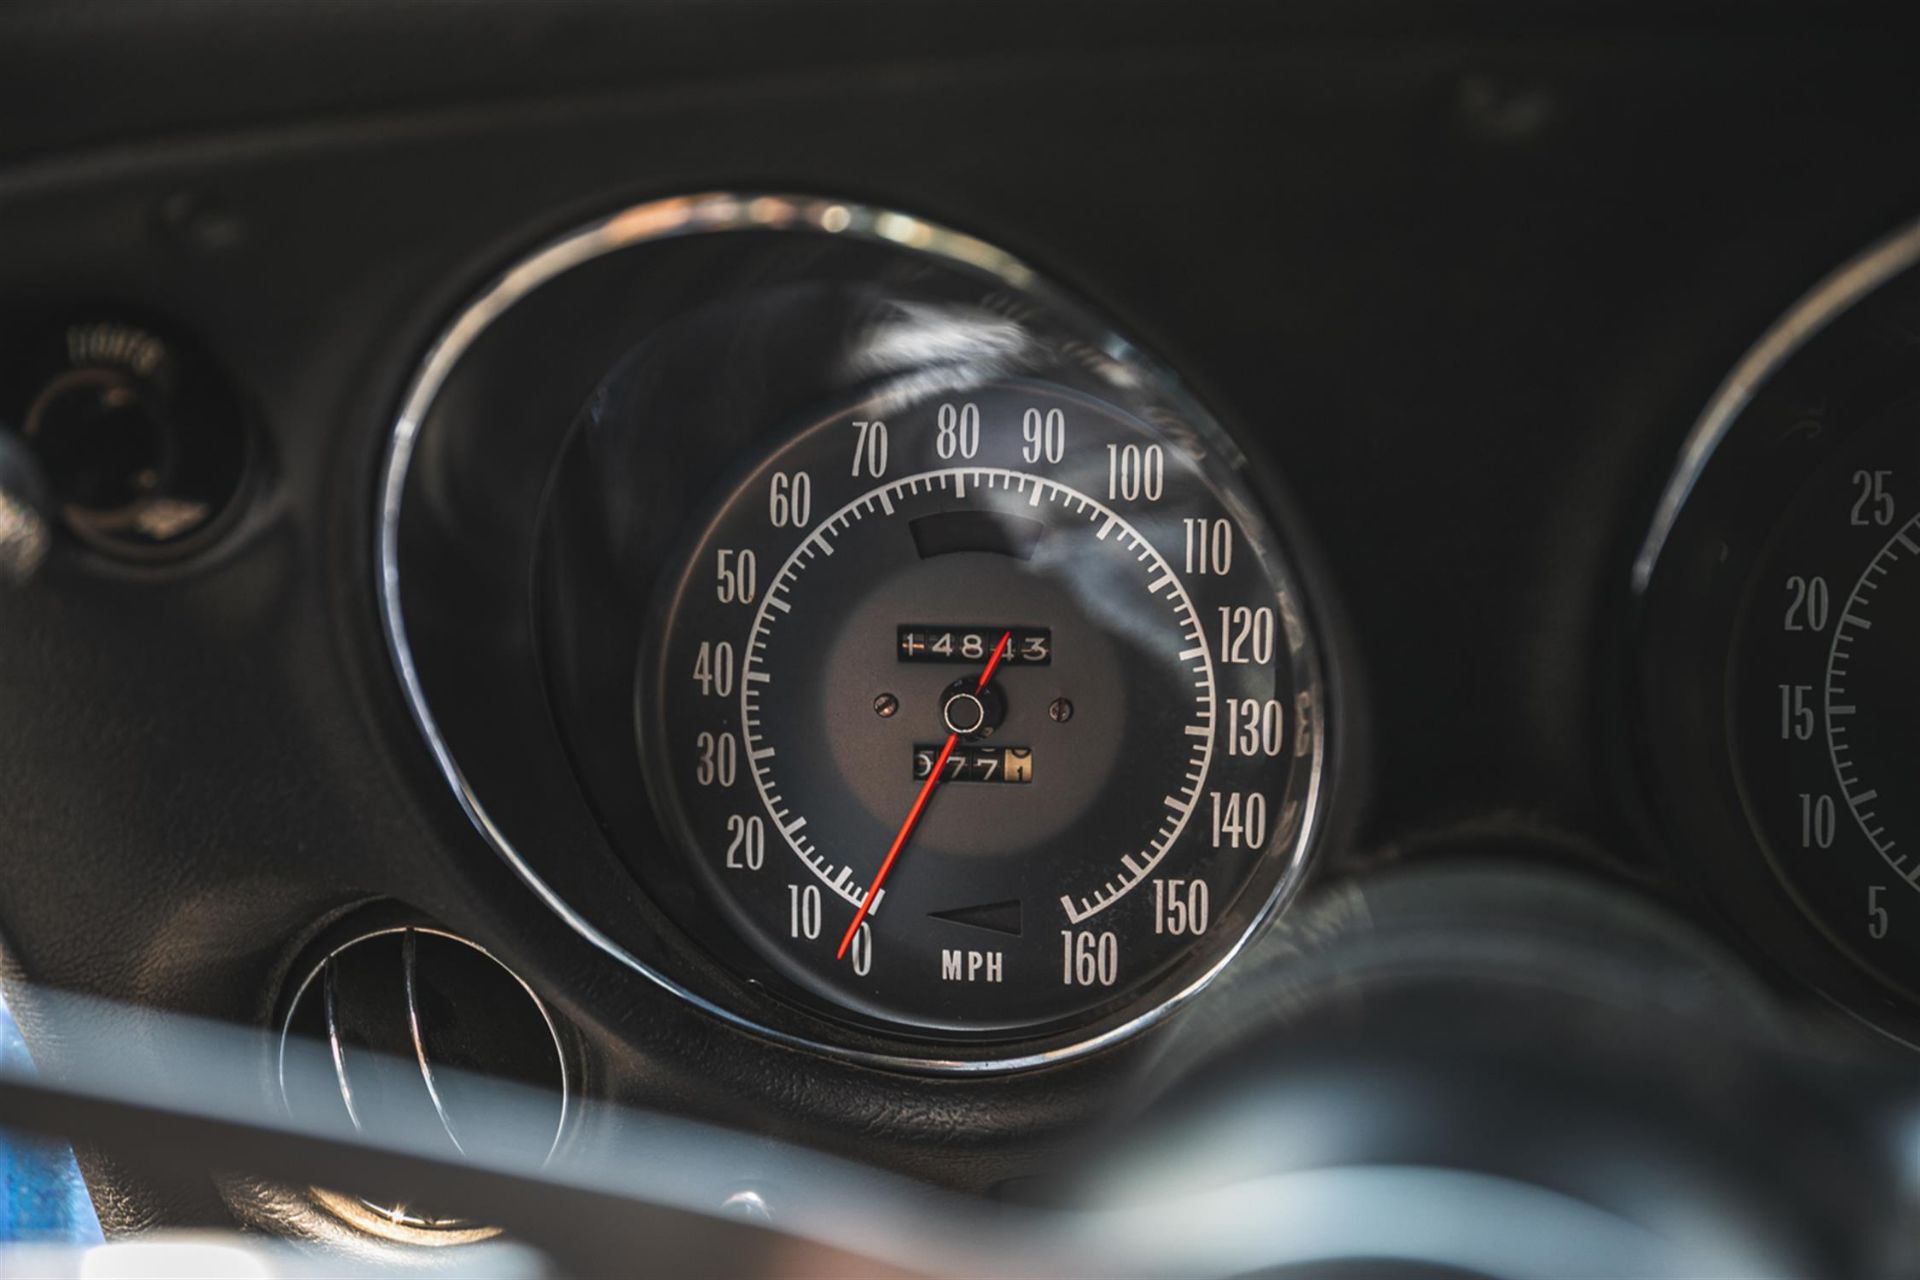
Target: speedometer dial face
pixel 981 714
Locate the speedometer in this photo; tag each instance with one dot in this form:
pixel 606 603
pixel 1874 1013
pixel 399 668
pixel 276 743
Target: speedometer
pixel 850 633
pixel 977 711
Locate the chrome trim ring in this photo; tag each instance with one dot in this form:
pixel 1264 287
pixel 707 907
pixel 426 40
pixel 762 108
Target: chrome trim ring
pixel 1826 302
pixel 710 213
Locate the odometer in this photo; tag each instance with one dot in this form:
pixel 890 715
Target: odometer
pixel 980 713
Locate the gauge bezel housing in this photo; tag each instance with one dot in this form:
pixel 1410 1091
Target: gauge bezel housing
pixel 1823 374
pixel 474 640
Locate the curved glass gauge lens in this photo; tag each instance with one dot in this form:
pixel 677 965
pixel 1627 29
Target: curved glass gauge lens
pixel 845 629
pixel 979 711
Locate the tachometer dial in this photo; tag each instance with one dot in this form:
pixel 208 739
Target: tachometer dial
pixel 1824 701
pixel 977 712
pixel 1782 592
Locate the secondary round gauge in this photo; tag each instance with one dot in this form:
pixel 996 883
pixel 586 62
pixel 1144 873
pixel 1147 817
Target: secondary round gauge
pixel 979 711
pixel 1783 593
pixel 849 633
pixel 1825 695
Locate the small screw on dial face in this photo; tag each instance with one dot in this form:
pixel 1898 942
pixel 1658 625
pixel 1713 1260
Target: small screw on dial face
pixel 1061 710
pixel 884 706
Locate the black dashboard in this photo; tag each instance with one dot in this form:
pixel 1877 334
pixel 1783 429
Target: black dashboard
pixel 557 484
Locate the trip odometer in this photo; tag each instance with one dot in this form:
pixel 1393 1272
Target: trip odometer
pixel 982 713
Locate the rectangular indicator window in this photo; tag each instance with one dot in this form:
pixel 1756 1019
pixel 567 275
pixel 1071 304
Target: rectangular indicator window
pixel 995 532
pixel 969 645
pixel 975 764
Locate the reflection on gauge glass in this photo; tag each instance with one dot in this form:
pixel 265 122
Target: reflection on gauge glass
pixel 979 710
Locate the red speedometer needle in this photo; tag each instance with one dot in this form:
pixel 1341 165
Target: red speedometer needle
pixel 919 806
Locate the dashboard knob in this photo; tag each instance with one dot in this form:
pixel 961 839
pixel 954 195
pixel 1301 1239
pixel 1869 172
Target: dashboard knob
pixel 139 444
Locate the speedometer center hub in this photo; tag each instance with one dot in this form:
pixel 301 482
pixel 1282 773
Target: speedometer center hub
pixel 964 712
